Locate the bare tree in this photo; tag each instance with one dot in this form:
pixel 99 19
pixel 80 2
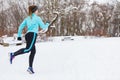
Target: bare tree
pixel 76 17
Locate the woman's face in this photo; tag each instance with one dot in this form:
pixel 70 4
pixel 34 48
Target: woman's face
pixel 36 12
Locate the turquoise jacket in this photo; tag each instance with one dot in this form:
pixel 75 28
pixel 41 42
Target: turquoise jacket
pixel 32 24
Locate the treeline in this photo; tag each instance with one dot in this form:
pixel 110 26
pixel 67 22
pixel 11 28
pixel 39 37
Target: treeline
pixel 76 17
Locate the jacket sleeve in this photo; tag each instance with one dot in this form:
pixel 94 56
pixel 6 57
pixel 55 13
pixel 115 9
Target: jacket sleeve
pixel 42 25
pixel 22 25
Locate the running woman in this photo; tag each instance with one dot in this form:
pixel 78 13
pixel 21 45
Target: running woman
pixel 32 22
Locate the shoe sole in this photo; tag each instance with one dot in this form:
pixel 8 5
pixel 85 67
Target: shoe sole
pixel 9 54
pixel 30 72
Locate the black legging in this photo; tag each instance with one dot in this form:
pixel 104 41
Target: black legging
pixel 30 46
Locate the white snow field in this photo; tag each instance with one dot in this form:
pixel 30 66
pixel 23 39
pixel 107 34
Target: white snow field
pixel 78 59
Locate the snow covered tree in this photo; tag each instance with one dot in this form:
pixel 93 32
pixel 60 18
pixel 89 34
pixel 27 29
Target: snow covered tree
pixel 76 17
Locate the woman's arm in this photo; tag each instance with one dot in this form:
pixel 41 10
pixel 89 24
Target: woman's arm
pixel 22 25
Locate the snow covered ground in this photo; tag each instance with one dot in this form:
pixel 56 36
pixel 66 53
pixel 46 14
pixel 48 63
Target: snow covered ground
pixel 79 59
pixel 104 1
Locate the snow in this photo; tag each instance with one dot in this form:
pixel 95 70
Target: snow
pixel 104 1
pixel 79 59
pixel 118 0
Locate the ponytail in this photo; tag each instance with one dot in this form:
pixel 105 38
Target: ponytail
pixel 32 9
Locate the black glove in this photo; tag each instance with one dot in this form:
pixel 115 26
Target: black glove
pixel 19 38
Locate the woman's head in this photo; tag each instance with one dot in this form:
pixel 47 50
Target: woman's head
pixel 32 9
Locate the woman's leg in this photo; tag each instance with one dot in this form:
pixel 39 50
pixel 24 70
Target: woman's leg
pixel 31 57
pixel 30 43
